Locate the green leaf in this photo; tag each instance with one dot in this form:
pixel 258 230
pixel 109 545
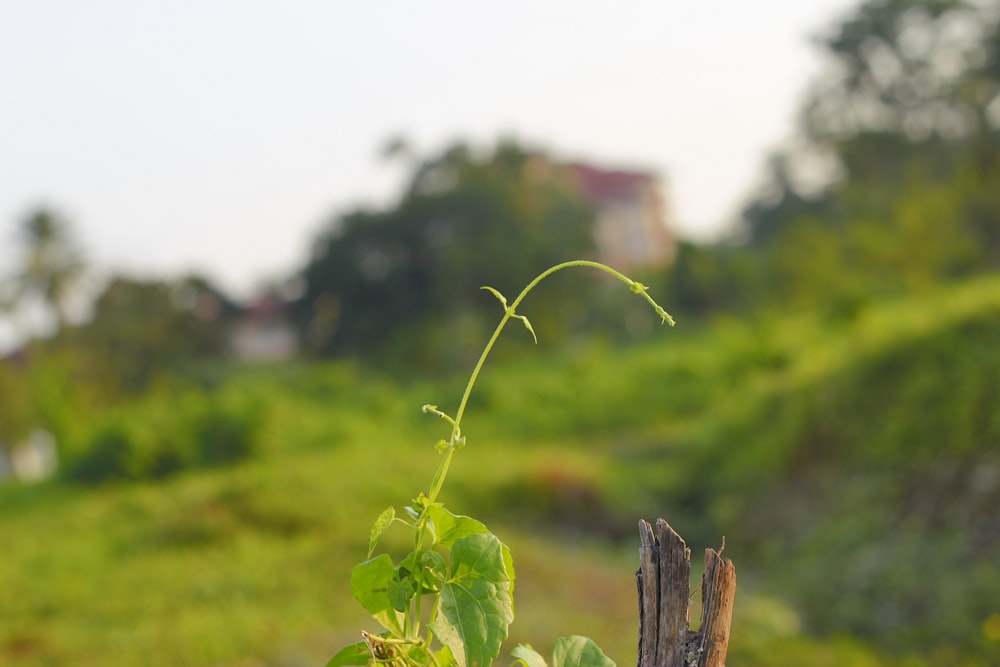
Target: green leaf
pixel 400 591
pixel 529 656
pixel 444 656
pixel 527 325
pixel 355 654
pixel 370 586
pixel 369 580
pixel 381 523
pixel 577 651
pixel 415 654
pixel 475 606
pixel 431 569
pixel 449 528
pixel 500 297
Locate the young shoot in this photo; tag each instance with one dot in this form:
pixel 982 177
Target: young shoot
pixel 448 602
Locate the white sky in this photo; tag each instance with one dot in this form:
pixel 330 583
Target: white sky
pixel 219 135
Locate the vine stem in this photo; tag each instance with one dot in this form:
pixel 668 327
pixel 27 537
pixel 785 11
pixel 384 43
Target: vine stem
pixel 509 312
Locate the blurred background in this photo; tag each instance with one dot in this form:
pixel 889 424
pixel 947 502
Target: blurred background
pixel 243 244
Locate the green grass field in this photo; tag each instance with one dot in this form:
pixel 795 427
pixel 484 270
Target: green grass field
pixel 821 449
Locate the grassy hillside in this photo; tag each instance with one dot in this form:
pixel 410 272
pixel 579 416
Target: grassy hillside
pixel 852 465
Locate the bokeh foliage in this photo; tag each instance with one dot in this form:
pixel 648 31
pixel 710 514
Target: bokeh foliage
pixel 835 532
pixel 829 401
pixel 405 281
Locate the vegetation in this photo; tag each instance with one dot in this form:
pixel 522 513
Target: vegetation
pixel 231 546
pixel 895 183
pixel 402 282
pixel 177 431
pixel 465 570
pixel 830 404
pixel 51 263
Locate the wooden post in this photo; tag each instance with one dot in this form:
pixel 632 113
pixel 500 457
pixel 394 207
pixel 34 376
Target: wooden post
pixel 663 580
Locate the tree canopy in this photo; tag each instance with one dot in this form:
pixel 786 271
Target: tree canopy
pixel 51 262
pixel 895 182
pixel 392 278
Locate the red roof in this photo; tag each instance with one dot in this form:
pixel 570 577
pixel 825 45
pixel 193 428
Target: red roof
pixel 600 184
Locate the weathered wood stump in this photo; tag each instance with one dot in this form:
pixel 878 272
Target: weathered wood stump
pixel 663 579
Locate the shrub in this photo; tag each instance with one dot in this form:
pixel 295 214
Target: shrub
pixel 164 435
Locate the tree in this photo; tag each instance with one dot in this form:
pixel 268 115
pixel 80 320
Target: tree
pixel 17 414
pixel 910 68
pixel 51 263
pixel 907 121
pixel 142 330
pixel 387 279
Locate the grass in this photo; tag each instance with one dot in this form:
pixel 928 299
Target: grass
pixel 211 566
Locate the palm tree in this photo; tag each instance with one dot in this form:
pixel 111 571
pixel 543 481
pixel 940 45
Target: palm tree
pixel 52 262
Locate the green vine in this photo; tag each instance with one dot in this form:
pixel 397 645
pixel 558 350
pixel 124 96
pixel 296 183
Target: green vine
pixel 457 565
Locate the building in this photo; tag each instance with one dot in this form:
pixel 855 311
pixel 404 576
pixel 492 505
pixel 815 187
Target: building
pixel 632 230
pixel 32 460
pixel 263 332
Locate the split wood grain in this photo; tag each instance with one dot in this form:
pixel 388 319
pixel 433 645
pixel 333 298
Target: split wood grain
pixel 663 583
